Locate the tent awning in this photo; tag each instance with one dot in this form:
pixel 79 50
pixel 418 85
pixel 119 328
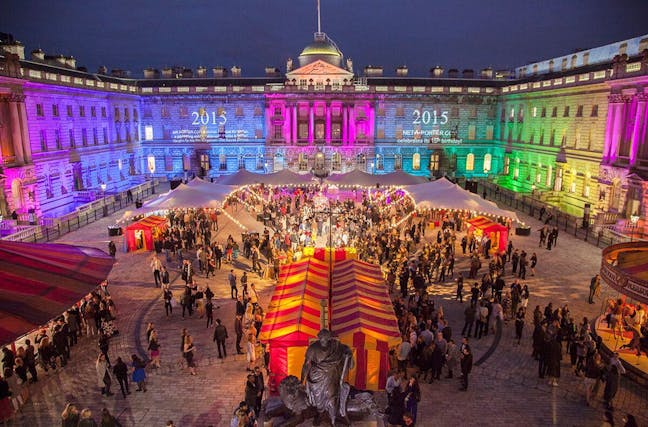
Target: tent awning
pixel 39 282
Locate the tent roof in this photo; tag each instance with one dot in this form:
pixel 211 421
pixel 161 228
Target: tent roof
pixel 293 315
pixel 241 177
pixel 399 177
pixel 443 194
pixel 38 282
pixel 287 177
pixel 185 196
pixel 484 223
pixel 355 177
pixel 148 222
pixel 361 303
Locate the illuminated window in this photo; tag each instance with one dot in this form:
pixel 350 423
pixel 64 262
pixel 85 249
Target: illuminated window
pixel 303 162
pixel 471 132
pixel 222 162
pixel 241 162
pixel 434 162
pixel 572 187
pixel 398 162
pixel 535 112
pixel 470 162
pixel 416 162
pixel 507 165
pixel 148 133
pixel 549 174
pixel 150 162
pixel 586 185
pixel 260 164
pixel 516 171
pixel 336 131
pixel 488 158
pixel 490 132
pixel 538 177
pixel 205 164
pixel 303 130
pixel 380 164
pixel 512 113
pixel 336 161
pixel 361 162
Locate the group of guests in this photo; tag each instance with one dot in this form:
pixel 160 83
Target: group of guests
pixel 51 347
pixel 72 417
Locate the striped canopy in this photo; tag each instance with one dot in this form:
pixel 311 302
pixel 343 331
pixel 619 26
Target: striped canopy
pixel 293 315
pixel 39 282
pixel 361 303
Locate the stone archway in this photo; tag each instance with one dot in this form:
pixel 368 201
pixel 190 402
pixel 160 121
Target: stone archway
pixel 17 195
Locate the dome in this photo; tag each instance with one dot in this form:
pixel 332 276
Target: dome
pixel 321 48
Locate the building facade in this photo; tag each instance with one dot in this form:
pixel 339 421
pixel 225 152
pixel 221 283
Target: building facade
pixel 570 129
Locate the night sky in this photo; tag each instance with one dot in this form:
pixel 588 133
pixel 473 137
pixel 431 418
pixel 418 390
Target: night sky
pixel 135 34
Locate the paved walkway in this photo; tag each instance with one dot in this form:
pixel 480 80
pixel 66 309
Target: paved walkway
pixel 504 390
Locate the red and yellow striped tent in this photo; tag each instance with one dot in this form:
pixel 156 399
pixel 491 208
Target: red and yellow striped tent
pixel 362 317
pixel 141 234
pixel 497 232
pixel 293 316
pixel 40 281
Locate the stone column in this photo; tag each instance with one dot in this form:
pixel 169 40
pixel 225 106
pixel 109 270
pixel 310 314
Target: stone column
pixel 311 123
pixel 327 125
pixel 351 134
pixel 639 128
pixel 295 135
pixel 16 133
pixel 27 152
pixel 7 149
pixel 345 124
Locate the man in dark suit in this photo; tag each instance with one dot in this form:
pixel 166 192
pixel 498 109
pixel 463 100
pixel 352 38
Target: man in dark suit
pixel 220 335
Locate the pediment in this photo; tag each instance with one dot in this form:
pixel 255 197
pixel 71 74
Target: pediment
pixel 319 68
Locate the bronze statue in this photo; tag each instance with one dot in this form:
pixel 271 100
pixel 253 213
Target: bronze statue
pixel 326 365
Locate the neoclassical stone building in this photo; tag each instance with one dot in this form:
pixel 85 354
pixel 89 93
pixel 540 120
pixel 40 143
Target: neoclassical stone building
pixel 572 128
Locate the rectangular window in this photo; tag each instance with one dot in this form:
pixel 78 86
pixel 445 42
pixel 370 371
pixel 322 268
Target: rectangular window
pixel 554 112
pixel 278 132
pixel 55 110
pixel 69 111
pixel 184 112
pixel 239 112
pixel 72 142
pixel 126 113
pixel 95 136
pixel 81 111
pixel 543 113
pixel 470 162
pixel 57 139
pixel 84 137
pixel 258 112
pixel 490 131
pixel 105 136
pixel 117 113
pixel 566 111
pixel 336 131
pixel 471 132
pixel 507 165
pixel 103 112
pixel 222 162
pixel 579 111
pixel 434 162
pixel 594 111
pixel 535 112
pixel 148 133
pixel 303 130
pixel 39 110
pixel 400 111
pixel 93 111
pixel 164 112
pixel 135 114
pixel 43 140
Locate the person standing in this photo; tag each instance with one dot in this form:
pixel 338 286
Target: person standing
pixel 534 262
pixel 103 375
pixel 251 391
pixel 554 355
pixel 164 277
pixel 466 366
pixel 112 249
pixel 612 379
pixel 220 335
pixel 519 323
pixel 154 349
pixel 238 329
pixel 139 375
pixel 460 289
pixel 188 353
pixel 251 351
pixel 231 277
pixel 209 311
pixel 156 267
pixel 595 288
pixel 412 397
pixel 168 297
pixel 593 374
pixel 260 386
pixel 120 371
pixel 469 321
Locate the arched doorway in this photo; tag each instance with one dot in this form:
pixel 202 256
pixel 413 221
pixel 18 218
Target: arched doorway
pixel 278 162
pixel 17 194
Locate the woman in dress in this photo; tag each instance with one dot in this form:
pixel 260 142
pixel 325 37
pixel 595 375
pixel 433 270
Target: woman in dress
pixel 189 354
pixel 251 351
pixel 154 349
pixel 519 323
pixel 412 397
pixel 139 375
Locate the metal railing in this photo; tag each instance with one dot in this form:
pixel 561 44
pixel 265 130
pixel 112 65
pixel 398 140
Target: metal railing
pixel 53 228
pixel 597 235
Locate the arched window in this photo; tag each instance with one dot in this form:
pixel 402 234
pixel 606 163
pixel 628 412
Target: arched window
pixel 278 163
pixel 241 162
pixel 380 164
pixel 487 162
pixel 17 194
pixel 361 162
pixel 416 162
pixel 398 162
pixel 470 162
pixel 222 162
pixel 150 161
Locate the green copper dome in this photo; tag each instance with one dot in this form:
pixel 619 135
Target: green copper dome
pixel 321 48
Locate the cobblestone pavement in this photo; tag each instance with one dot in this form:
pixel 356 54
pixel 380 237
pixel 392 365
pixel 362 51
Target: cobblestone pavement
pixel 504 389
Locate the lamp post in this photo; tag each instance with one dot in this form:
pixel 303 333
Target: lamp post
pixel 634 219
pixel 104 208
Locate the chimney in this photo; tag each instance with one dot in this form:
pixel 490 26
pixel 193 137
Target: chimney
pixel 16 48
pixel 453 73
pixel 167 73
pixel 236 71
pixel 219 72
pixel 349 64
pixel 271 71
pixel 61 60
pixel 38 55
pixel 151 73
pixel 468 74
pixel 102 70
pixel 70 62
pixel 401 71
pixel 487 73
pixel 201 72
pixel 437 71
pixel 373 71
